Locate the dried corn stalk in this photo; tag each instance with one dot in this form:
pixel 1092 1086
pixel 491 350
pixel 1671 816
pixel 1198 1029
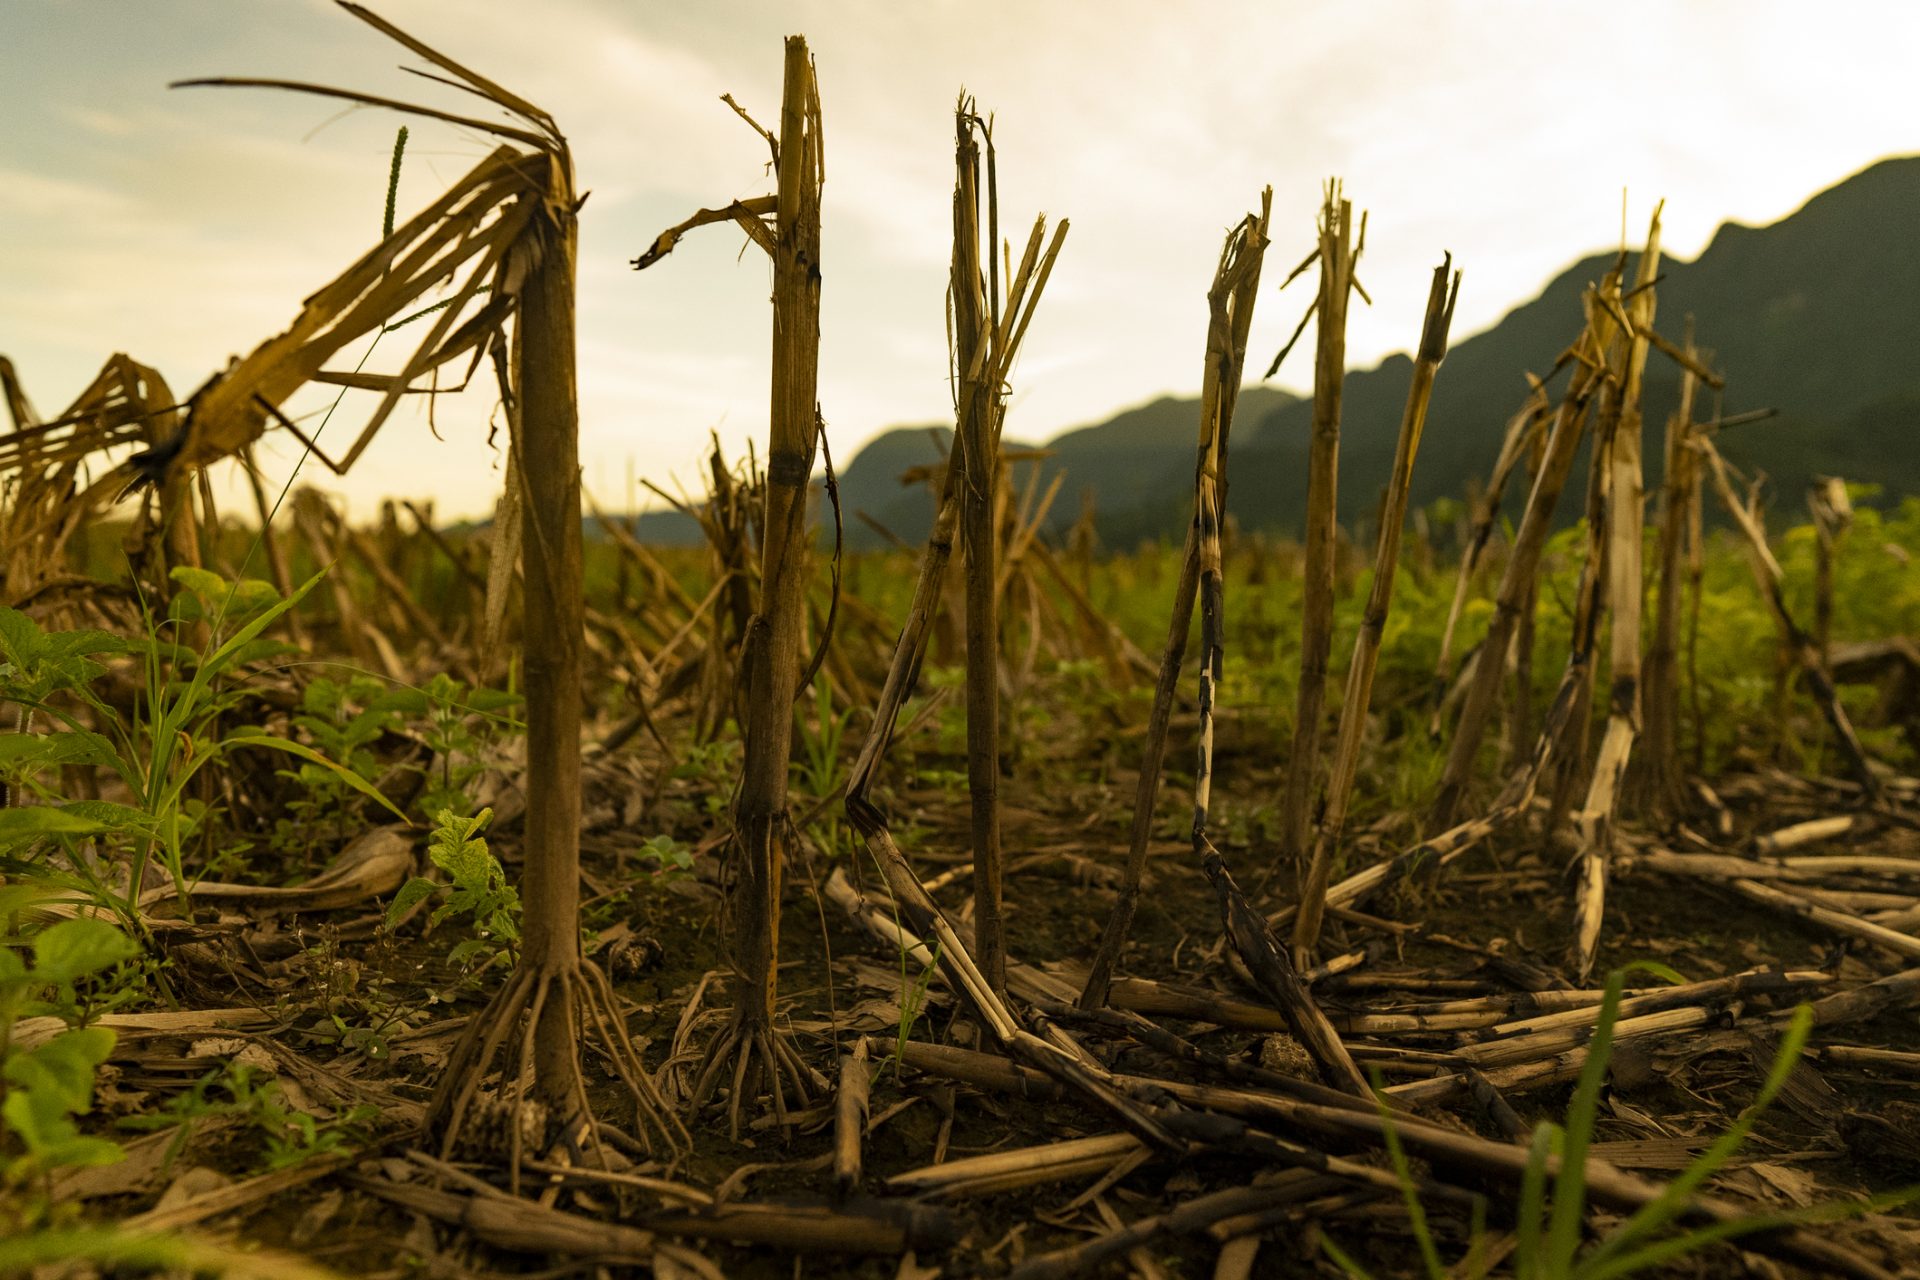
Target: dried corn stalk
pixel 1366 645
pixel 1523 561
pixel 1793 637
pixel 753 1052
pixel 511 224
pixel 977 395
pixel 1625 528
pixel 1230 303
pixel 1338 254
pixel 1660 771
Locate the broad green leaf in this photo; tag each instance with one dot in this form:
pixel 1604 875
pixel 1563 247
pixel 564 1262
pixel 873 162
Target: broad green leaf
pixel 465 951
pixel 36 822
pixel 223 657
pixel 250 594
pixel 204 583
pixel 410 893
pixel 140 1253
pixel 118 819
pixel 75 948
pixel 407 701
pixel 20 637
pixel 456 850
pixel 81 1152
pixel 36 663
pixel 60 1072
pixel 45 750
pixel 15 898
pixel 1666 974
pixel 208 595
pixel 38 1120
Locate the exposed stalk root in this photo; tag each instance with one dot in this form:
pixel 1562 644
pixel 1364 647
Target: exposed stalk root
pixel 763 1061
pixel 576 1003
pixel 771 659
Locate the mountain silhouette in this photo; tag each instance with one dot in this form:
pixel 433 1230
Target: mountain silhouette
pixel 1816 316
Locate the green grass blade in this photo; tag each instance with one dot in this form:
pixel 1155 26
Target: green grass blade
pixel 1416 1212
pixel 1673 1201
pixel 1681 1246
pixel 1533 1200
pixel 218 660
pixel 304 752
pixel 1666 973
pixel 1570 1187
pixel 1340 1259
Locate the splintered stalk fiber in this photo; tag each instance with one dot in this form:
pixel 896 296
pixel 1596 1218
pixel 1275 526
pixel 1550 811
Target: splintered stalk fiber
pixel 1323 480
pixel 1625 535
pixel 980 458
pixel 1660 709
pixel 1514 593
pixel 1230 302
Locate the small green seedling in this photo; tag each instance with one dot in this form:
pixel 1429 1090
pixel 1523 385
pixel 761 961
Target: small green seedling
pixel 44 1087
pixel 478 893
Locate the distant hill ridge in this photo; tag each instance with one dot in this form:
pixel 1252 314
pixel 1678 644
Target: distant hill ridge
pixel 1816 315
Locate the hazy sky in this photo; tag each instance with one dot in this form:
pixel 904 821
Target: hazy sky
pixel 184 227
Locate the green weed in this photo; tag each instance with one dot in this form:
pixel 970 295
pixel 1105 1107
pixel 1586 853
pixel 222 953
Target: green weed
pixel 45 973
pixel 478 892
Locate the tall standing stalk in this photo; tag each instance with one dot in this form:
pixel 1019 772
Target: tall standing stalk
pixel 1832 512
pixel 1569 771
pixel 1049 1048
pixel 1660 771
pixel 1520 705
pixel 753 1052
pixel 564 998
pixel 979 443
pixel 1517 443
pixel 554 626
pixel 1230 301
pixel 1337 255
pixel 1523 562
pixel 1246 931
pixel 1696 556
pixel 513 217
pixel 1626 535
pixel 1024 290
pixel 1366 645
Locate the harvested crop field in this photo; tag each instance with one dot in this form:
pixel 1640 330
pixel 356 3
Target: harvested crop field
pixel 1524 884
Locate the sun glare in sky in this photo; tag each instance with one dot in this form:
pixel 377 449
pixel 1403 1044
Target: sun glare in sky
pixel 184 227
